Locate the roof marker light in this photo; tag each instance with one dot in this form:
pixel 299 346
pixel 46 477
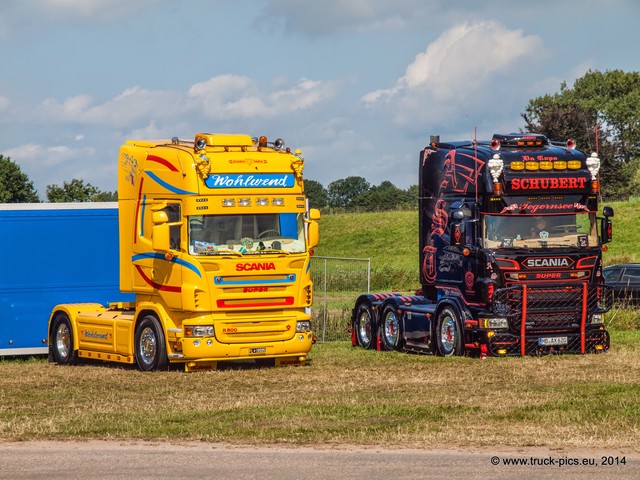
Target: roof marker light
pixel 571 144
pixel 200 143
pixel 495 144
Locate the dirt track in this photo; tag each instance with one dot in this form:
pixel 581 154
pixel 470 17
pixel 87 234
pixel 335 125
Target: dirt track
pixel 196 460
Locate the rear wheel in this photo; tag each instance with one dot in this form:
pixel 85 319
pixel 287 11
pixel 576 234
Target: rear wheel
pixel 448 333
pixel 150 348
pixel 62 340
pixel 365 326
pixel 391 332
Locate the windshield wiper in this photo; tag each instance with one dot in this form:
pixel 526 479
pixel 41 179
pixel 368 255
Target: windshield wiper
pixel 269 250
pixel 223 251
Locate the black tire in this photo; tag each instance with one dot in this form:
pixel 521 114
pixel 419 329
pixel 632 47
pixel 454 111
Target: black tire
pixel 150 347
pixel 391 329
pixel 448 333
pixel 365 326
pixel 61 340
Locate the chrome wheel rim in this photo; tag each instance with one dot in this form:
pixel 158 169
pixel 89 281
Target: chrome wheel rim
pixel 147 346
pixel 448 334
pixel 364 327
pixel 63 340
pixel 391 329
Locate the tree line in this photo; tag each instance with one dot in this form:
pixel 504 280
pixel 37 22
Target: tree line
pixel 601 112
pixel 16 187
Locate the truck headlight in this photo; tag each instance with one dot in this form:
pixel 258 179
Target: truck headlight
pixel 494 322
pixel 199 331
pixel 597 319
pixel 303 326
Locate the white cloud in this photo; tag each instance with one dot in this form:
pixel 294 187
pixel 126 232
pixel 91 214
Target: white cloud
pixel 462 59
pixel 222 97
pixel 234 96
pixel 4 102
pixel 460 75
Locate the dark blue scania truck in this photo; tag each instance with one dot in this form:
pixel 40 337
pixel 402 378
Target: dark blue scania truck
pixel 510 254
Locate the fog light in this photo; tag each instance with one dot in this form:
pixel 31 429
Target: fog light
pixel 303 326
pixel 209 342
pixel 196 343
pixel 597 319
pixel 494 322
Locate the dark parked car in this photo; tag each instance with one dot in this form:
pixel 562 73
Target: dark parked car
pixel 625 280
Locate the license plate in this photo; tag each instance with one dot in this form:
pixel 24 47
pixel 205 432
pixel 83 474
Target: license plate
pixel 258 350
pixel 552 341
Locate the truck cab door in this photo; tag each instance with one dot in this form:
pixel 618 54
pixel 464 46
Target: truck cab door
pixel 458 262
pixel 157 254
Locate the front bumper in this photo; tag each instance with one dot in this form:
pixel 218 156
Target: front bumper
pixel 507 344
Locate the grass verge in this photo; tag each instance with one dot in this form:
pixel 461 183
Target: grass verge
pixel 345 396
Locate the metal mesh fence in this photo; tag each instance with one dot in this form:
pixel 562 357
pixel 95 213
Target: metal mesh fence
pixel 337 282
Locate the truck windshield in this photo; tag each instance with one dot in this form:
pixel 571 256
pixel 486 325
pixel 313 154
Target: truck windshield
pixel 542 231
pixel 246 234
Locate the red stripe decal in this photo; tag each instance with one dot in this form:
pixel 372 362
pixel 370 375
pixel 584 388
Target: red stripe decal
pixel 224 304
pixel 157 286
pixel 162 161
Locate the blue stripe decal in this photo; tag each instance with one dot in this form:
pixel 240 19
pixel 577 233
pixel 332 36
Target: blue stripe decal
pixel 288 279
pixel 166 185
pixel 160 256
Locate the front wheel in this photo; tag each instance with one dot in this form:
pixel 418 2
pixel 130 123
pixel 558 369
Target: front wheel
pixel 448 333
pixel 62 340
pixel 391 331
pixel 150 348
pixel 365 326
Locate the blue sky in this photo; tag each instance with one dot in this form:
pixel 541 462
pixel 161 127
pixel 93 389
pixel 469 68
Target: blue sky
pixel 357 85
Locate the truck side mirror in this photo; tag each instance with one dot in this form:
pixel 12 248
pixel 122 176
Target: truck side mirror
pixel 160 232
pixel 606 230
pixel 457 227
pixel 457 233
pixel 313 231
pixel 607 211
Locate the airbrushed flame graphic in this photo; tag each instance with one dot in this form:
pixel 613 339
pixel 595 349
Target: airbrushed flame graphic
pixel 459 175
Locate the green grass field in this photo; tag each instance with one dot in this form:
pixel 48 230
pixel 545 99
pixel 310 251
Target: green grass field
pixel 351 396
pixel 346 396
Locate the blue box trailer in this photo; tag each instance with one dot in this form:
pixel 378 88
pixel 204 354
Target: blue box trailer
pixel 54 253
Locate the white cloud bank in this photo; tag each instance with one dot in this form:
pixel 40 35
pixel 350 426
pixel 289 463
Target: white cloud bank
pixel 462 60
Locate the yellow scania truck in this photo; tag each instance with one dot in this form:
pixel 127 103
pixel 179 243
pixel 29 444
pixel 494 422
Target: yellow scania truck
pixel 215 240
